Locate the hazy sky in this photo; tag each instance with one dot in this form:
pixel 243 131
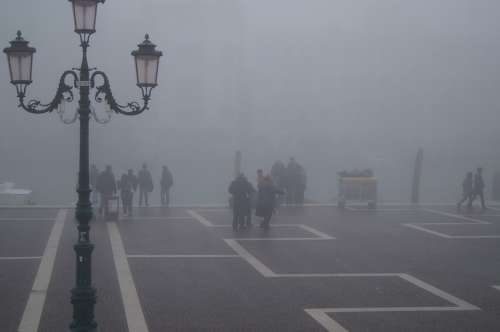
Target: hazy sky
pixel 337 84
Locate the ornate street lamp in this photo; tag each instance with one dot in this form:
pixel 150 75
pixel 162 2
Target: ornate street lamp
pixel 20 59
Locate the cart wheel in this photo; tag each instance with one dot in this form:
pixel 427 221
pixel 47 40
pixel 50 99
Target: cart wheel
pixel 341 204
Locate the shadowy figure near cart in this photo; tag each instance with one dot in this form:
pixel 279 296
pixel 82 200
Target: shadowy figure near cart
pixel 266 200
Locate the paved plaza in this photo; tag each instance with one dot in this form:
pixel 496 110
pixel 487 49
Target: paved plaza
pixel 319 268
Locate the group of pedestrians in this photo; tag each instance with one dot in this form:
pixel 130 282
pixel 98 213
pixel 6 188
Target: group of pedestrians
pixel 291 178
pixel 473 187
pixel 288 181
pixel 105 187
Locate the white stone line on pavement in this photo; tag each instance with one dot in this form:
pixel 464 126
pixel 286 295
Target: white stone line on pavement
pixel 34 207
pixel 475 237
pixel 36 301
pixel 393 309
pixel 320 235
pixel 213 210
pixel 422 229
pixel 19 258
pixel 133 310
pixel 457 216
pixel 439 293
pixel 322 317
pixel 324 320
pixel 254 225
pixel 200 218
pixel 335 275
pixel 251 259
pixel 184 256
pixel 489 215
pixel 316 232
pixel 281 239
pixel 496 287
pixel 321 314
pixel 25 219
pixel 470 221
pixel 419 227
pixel 382 209
pixel 140 219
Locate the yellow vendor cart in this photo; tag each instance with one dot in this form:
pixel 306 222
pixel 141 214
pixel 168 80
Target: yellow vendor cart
pixel 357 189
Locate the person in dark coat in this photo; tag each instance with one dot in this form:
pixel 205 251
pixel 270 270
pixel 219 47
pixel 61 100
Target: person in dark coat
pixel 266 200
pixel 106 186
pixel 145 181
pixel 94 176
pixel 128 184
pixel 166 182
pixel 241 190
pixel 301 185
pixel 278 175
pixel 467 190
pixel 479 187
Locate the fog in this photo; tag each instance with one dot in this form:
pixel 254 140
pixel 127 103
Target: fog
pixel 337 84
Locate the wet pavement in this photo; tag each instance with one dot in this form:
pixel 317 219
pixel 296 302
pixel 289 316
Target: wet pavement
pixel 397 268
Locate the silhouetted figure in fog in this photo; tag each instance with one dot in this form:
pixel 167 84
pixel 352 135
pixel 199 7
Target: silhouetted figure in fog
pixel 260 176
pixel 94 176
pixel 266 200
pixel 278 175
pixel 241 190
pixel 467 191
pixel 145 184
pixel 479 187
pixel 166 182
pixel 106 185
pixel 292 181
pixel 128 184
pixel 301 185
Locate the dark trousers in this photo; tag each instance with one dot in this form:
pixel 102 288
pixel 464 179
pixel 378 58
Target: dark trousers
pixel 267 219
pixel 165 196
pixel 143 193
pixel 248 218
pixel 238 218
pixel 104 204
pixel 127 197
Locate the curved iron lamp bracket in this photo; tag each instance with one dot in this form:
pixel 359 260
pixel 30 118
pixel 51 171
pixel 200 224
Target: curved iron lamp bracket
pixel 104 93
pixel 64 93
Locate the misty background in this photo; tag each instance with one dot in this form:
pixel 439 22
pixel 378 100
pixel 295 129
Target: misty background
pixel 338 84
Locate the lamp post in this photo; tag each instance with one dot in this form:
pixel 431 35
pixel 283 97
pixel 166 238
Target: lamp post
pixel 20 59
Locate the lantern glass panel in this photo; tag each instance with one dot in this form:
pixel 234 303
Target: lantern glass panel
pixel 85 14
pixel 147 69
pixel 20 66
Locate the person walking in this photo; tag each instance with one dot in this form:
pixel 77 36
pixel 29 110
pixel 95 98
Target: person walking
pixel 241 191
pixel 166 182
pixel 145 181
pixel 266 200
pixel 278 175
pixel 301 185
pixel 479 187
pixel 106 185
pixel 94 175
pixel 260 176
pixel 467 191
pixel 128 184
